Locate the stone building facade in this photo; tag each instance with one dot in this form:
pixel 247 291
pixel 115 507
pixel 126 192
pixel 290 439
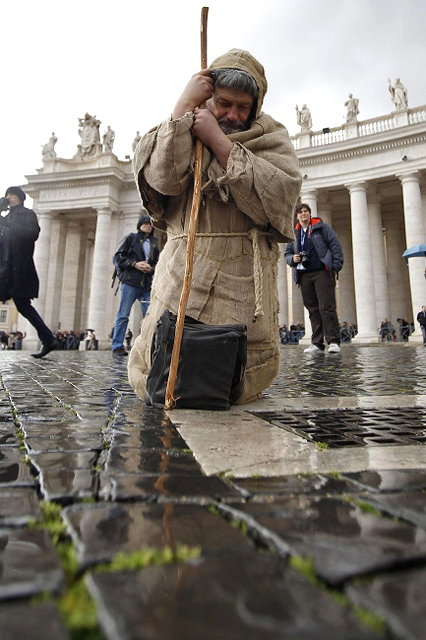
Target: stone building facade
pixel 366 179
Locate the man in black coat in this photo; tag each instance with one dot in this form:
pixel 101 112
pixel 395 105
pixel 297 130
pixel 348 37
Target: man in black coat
pixel 18 277
pixel 135 261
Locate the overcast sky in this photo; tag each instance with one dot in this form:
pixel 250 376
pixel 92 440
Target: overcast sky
pixel 127 62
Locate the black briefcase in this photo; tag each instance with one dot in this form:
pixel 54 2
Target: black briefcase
pixel 211 369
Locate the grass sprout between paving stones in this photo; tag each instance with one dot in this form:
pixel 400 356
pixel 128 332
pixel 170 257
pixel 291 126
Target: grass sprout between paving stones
pixel 305 565
pixel 76 605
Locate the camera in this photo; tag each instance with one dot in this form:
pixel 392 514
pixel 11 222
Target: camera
pixel 4 204
pixel 304 259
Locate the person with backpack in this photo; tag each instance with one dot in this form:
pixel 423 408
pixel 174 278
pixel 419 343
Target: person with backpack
pixel 134 261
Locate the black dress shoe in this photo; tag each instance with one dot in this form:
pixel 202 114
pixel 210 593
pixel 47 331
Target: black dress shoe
pixel 45 349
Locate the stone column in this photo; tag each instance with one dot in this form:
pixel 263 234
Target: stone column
pixel 397 269
pixel 309 196
pixel 346 292
pixel 324 210
pixel 70 313
pixel 414 234
pixel 363 268
pixel 88 261
pixel 55 281
pixel 378 258
pixel 101 275
pixel 282 288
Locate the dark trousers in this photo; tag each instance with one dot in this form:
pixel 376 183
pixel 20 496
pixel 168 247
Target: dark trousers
pixel 319 297
pixel 27 310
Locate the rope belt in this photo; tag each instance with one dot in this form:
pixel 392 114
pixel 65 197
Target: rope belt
pixel 253 235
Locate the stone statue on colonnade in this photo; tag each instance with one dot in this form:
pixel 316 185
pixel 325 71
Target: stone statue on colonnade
pixel 48 150
pixel 108 140
pixel 304 118
pixel 90 137
pixel 352 108
pixel 136 141
pixel 398 94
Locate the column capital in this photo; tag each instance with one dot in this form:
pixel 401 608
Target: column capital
pixel 103 211
pixel 361 185
pixel 409 176
pixel 307 192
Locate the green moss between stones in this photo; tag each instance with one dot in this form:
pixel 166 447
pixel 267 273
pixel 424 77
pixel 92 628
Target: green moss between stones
pixel 322 445
pixel 76 605
pixel 305 565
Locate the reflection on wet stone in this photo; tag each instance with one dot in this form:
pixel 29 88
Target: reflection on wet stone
pixel 24 620
pixel 148 440
pixel 408 506
pixel 100 531
pixel 252 597
pixel 399 598
pixel 18 506
pixel 388 481
pixel 28 563
pixel 342 538
pixel 123 460
pixel 64 460
pixel 258 488
pixel 38 445
pixel 13 471
pixel 65 485
pixel 170 487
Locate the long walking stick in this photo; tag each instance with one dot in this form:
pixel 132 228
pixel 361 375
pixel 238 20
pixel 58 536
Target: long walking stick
pixel 193 220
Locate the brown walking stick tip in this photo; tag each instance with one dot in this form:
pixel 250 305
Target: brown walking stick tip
pixel 196 199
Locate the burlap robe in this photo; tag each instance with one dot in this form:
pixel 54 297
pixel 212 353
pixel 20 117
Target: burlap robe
pixel 256 194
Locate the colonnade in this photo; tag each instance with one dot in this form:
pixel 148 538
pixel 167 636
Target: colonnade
pixel 74 264
pixel 375 282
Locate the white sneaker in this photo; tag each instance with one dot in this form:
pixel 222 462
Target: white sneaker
pixel 313 349
pixel 334 348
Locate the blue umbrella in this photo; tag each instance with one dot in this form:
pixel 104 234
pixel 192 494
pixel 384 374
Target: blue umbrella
pixel 415 252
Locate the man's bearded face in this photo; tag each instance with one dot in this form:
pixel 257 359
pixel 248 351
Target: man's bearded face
pixel 231 108
pixel 231 126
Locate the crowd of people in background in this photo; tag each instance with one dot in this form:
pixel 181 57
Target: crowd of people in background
pixel 396 333
pixel 295 332
pixel 12 340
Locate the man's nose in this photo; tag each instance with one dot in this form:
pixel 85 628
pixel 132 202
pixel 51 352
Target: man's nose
pixel 232 113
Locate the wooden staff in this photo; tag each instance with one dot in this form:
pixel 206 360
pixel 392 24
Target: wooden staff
pixel 192 229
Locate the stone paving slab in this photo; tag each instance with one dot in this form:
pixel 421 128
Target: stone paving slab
pixel 101 531
pixel 69 460
pixel 409 506
pixel 13 471
pixel 18 505
pixel 389 480
pixel 125 460
pixel 50 445
pixel 25 621
pixel 29 564
pixel 68 485
pixel 264 488
pixel 342 539
pixel 251 596
pixel 168 488
pixel 399 598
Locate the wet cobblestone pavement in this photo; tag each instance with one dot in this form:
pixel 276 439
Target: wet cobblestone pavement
pixel 112 529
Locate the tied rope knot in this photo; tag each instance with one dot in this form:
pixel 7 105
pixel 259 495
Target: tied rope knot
pixel 253 235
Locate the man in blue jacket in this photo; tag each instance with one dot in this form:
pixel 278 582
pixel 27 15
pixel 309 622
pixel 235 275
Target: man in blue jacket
pixel 316 257
pixel 135 261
